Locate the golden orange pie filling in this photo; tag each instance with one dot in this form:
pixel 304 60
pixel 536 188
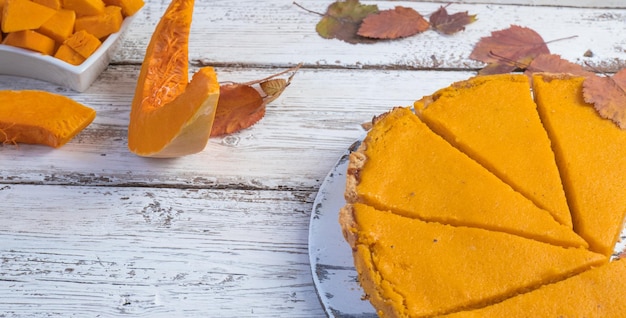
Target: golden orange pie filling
pixel 490 201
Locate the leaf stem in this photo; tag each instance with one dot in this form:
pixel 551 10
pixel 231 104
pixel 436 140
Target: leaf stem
pixel 293 69
pixel 307 10
pixel 561 39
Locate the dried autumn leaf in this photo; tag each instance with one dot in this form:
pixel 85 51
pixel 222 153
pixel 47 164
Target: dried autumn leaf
pixel 273 88
pixel 507 49
pixel 393 24
pixel 241 105
pixel 446 23
pixel 554 63
pixel 608 96
pixel 342 20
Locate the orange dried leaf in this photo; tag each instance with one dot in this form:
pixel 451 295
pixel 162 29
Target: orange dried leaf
pixel 393 24
pixel 554 63
pixel 450 23
pixel 608 96
pixel 508 49
pixel 240 106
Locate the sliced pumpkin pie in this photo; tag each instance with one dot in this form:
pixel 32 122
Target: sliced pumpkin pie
pixel 403 166
pixel 597 293
pixel 591 154
pixel 494 120
pixel 411 268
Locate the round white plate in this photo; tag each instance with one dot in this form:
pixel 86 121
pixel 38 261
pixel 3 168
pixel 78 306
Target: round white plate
pixel 331 257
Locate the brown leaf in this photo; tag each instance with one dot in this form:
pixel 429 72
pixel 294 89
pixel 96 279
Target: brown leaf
pixel 342 20
pixel 508 49
pixel 240 106
pixel 608 96
pixel 450 23
pixel 392 24
pixel 554 63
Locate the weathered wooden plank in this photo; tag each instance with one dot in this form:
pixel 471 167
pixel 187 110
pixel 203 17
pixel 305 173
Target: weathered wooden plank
pixel 90 251
pixel 562 3
pixel 294 146
pixel 279 33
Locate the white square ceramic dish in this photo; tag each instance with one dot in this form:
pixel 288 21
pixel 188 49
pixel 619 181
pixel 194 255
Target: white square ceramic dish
pixel 25 63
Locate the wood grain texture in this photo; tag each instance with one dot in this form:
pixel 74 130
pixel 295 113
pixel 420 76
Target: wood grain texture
pixel 279 33
pixel 313 122
pixel 102 251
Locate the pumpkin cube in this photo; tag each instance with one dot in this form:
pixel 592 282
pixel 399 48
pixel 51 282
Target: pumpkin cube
pixel 84 7
pixel 67 54
pixel 53 4
pixel 129 7
pixel 2 3
pixel 31 40
pixel 19 15
pixel 60 26
pixel 101 25
pixel 83 43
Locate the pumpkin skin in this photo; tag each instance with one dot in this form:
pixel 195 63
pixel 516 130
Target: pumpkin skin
pixel 170 116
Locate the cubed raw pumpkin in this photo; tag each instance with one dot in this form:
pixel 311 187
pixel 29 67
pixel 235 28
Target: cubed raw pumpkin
pixel 19 15
pixel 83 43
pixel 31 40
pixel 129 7
pixel 101 25
pixel 60 26
pixel 2 3
pixel 53 4
pixel 84 7
pixel 67 54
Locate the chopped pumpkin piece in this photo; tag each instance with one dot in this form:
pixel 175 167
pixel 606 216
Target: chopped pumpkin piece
pixel 39 117
pixel 31 40
pixel 129 7
pixel 2 3
pixel 83 43
pixel 84 7
pixel 19 15
pixel 171 116
pixel 60 26
pixel 53 4
pixel 101 25
pixel 67 54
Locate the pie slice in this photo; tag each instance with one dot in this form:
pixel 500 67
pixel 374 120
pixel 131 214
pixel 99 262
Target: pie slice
pixel 411 268
pixel 597 293
pixel 404 167
pixel 494 120
pixel 591 154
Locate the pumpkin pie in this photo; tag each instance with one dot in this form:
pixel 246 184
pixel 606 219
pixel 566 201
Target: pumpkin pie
pixel 597 293
pixel 591 155
pixel 412 268
pixel 494 120
pixel 403 166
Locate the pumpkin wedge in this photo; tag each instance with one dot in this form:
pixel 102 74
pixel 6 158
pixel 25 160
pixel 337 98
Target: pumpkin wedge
pixel 170 115
pixel 39 117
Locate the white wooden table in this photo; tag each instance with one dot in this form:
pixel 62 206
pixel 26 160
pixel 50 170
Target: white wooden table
pixel 91 230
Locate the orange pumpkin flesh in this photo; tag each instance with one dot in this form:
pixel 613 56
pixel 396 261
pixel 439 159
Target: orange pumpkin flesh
pixel 170 116
pixel 39 117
